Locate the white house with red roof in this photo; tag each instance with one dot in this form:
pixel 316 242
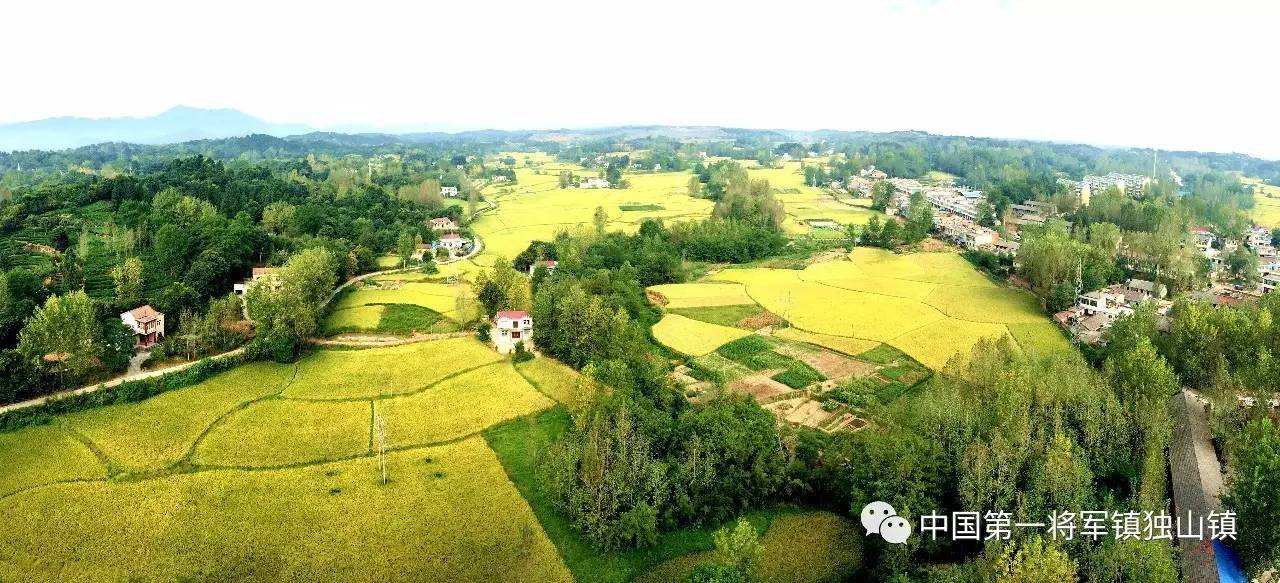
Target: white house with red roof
pixel 147 324
pixel 453 241
pixel 509 328
pixel 550 264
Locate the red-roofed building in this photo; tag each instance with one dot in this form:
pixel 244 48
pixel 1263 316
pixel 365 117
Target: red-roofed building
pixel 147 324
pixel 511 327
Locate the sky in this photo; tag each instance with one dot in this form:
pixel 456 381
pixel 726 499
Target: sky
pixel 1168 74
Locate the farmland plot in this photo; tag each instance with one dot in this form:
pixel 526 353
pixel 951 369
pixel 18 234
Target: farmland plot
pixel 692 337
pixel 459 406
pixel 377 372
pixel 281 432
pixel 448 513
pixel 44 454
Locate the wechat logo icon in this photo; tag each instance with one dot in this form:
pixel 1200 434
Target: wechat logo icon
pixel 880 518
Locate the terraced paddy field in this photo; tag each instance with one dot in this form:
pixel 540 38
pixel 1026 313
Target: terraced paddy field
pixel 270 472
pixel 929 305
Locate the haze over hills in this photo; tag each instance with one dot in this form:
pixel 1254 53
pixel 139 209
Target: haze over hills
pixel 178 124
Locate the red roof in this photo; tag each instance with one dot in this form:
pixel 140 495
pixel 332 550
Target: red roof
pixel 144 313
pixel 450 236
pixel 551 262
pixel 512 315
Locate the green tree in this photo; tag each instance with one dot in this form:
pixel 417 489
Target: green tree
pixel 501 288
pixel 63 330
pixel 128 282
pixel 599 219
pixel 695 187
pixel 881 193
pixel 1242 264
pixel 279 218
pixel 1253 493
pixel 1035 561
pixel 739 549
pixel 405 247
pixel 919 219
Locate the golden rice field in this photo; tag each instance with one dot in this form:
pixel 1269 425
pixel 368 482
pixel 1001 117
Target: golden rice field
pixel 235 478
pixel 700 295
pixel 44 455
pixel 456 518
pixel 281 432
pixel 929 305
pixel 552 378
pixel 441 297
pixel 382 372
pixel 460 406
pixel 161 431
pixel 1266 202
pixel 693 337
pixel 538 208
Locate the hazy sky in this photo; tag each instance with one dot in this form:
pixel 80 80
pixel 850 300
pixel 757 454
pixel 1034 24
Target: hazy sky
pixel 1168 73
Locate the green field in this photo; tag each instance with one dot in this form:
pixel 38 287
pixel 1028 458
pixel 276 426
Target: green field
pixel 161 431
pixel 282 432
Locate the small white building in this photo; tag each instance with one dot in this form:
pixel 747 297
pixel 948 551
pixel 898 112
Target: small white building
pixel 1103 302
pixel 453 241
pixel 550 264
pixel 449 191
pixel 443 224
pixel 147 324
pixel 271 274
pixel 594 183
pixel 509 328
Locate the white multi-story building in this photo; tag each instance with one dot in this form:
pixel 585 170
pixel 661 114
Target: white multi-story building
pixel 1130 184
pixel 953 202
pixel 449 191
pixel 511 328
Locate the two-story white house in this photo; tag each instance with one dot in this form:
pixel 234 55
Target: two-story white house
pixel 147 324
pixel 453 241
pixel 1103 302
pixel 509 328
pixel 449 191
pixel 594 183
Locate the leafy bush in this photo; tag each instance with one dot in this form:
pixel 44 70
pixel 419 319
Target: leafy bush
pixel 743 348
pixel 521 354
pixel 796 379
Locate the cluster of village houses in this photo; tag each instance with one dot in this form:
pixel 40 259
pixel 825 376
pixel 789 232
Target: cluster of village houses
pixel 956 219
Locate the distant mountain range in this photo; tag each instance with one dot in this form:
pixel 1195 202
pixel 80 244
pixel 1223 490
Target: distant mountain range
pixel 180 124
